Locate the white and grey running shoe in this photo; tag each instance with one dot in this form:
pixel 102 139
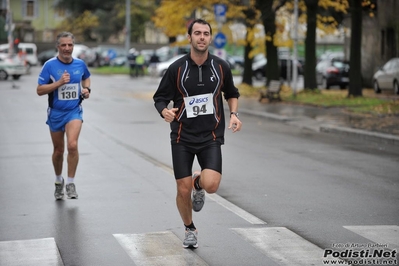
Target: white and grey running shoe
pixel 59 190
pixel 198 197
pixel 190 239
pixel 71 191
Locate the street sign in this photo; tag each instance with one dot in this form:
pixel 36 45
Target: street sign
pixel 220 40
pixel 220 12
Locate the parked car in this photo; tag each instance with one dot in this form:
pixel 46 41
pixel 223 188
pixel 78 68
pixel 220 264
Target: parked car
pixel 260 61
pixel 104 54
pixel 46 55
pixel 332 72
pixel 163 66
pixel 12 67
pixel 26 51
pixel 332 55
pixel 387 77
pixel 83 52
pixel 118 61
pixel 238 61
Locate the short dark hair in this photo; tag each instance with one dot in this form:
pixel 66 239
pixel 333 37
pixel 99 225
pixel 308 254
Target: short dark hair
pixel 200 21
pixel 63 35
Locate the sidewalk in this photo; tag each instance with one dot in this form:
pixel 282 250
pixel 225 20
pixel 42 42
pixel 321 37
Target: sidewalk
pixel 329 120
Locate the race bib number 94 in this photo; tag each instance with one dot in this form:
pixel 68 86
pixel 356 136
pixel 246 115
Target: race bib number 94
pixel 199 105
pixel 68 92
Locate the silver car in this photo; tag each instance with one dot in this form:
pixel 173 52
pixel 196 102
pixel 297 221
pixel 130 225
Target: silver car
pixel 12 67
pixel 387 77
pixel 161 67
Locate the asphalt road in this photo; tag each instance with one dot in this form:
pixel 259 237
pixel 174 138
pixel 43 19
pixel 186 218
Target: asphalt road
pixel 289 196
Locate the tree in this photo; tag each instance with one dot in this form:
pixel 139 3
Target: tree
pixel 174 20
pixel 312 7
pixel 110 17
pixel 355 75
pixel 251 17
pixel 268 20
pixel 81 25
pixel 357 8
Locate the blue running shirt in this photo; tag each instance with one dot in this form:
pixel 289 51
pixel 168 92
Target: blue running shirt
pixel 67 96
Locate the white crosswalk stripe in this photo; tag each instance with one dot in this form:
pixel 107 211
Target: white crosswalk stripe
pixel 279 244
pixel 235 209
pixel 160 248
pixel 382 234
pixel 283 246
pixel 33 252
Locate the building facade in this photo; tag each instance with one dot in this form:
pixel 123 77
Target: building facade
pixel 33 20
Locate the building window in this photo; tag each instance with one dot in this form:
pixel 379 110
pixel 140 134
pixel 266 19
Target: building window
pixel 29 8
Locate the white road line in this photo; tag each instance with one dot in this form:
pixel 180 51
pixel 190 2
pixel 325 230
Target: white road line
pixel 235 209
pixel 226 204
pixel 381 234
pixel 283 246
pixel 159 248
pixel 33 252
pixel 218 199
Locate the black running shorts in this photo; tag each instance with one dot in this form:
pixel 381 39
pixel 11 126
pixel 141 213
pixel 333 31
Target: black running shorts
pixel 209 156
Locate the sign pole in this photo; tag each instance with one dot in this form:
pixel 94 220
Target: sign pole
pixel 9 30
pixel 295 64
pixel 220 39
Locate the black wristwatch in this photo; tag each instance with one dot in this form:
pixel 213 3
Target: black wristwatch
pixel 234 113
pixel 87 89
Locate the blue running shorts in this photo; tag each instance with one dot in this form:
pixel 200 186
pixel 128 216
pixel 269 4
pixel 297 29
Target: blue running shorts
pixel 57 119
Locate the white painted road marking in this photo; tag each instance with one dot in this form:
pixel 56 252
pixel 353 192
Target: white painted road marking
pixel 283 246
pixel 165 248
pixel 160 248
pixel 381 234
pixel 235 209
pixel 33 252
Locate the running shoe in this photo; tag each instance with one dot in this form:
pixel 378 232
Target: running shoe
pixel 59 190
pixel 190 239
pixel 198 197
pixel 71 191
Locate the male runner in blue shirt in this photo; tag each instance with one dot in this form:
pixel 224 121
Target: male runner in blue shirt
pixel 66 81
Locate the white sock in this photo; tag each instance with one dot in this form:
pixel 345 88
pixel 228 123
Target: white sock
pixel 70 180
pixel 58 179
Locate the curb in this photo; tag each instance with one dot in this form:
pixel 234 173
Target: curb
pixel 265 114
pixel 326 128
pixel 363 134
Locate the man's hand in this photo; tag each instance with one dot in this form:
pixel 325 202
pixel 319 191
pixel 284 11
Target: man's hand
pixel 169 114
pixel 85 93
pixel 235 123
pixel 65 78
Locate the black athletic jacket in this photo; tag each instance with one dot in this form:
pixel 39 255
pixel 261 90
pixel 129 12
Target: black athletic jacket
pixel 185 78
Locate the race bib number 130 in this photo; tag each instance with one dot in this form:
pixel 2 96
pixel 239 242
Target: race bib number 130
pixel 199 105
pixel 68 92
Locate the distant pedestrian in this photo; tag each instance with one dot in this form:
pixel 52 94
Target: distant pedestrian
pixel 16 46
pixel 140 61
pixel 132 63
pixel 197 84
pixel 154 60
pixel 66 81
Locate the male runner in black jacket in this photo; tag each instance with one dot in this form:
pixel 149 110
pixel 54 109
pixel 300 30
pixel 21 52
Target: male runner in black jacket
pixel 197 84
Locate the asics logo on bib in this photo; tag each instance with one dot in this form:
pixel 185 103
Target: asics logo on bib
pixel 199 100
pixel 67 88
